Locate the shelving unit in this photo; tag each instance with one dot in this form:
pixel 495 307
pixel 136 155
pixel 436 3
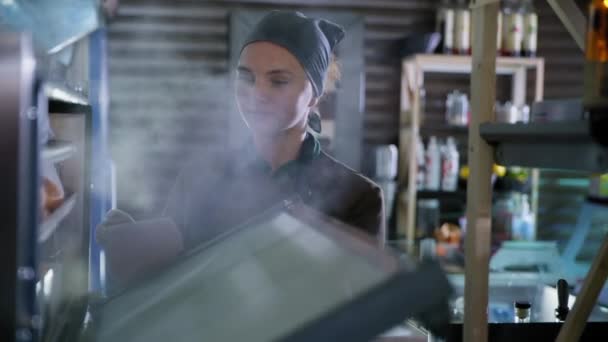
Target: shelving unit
pixel 18 183
pixel 548 145
pixel 63 236
pixel 68 153
pixel 412 80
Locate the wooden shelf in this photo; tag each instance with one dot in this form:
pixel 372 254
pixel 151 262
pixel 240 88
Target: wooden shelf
pixel 443 129
pixel 459 64
pixel 566 145
pixel 58 151
pixel 49 226
pixel 62 93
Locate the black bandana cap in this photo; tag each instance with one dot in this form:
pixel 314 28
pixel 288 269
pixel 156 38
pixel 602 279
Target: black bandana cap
pixel 310 40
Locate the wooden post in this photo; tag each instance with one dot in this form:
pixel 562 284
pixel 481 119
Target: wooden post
pixel 479 190
pixel 413 170
pixel 411 82
pixel 519 86
pixel 538 96
pixel 596 277
pixel 540 80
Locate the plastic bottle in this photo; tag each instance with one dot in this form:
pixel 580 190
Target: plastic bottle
pixel 462 31
pixel 498 31
pixel 450 166
pixel 420 160
pixel 522 311
pixel 530 37
pixel 523 221
pixel 440 20
pixel 512 32
pixel 433 165
pixel 447 16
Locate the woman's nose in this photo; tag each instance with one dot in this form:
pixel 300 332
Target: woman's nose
pixel 260 92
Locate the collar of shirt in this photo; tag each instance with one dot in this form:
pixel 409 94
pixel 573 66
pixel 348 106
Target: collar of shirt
pixel 309 151
pixel 251 161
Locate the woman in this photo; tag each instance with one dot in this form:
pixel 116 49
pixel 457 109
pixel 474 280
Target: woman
pixel 279 81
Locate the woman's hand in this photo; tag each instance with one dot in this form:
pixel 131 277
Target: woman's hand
pixel 135 249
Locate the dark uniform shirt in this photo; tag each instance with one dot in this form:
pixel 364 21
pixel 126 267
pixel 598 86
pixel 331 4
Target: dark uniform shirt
pixel 223 190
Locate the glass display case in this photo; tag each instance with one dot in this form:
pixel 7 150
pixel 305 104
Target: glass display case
pixel 290 274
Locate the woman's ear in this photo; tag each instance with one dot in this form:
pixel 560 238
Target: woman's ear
pixel 314 101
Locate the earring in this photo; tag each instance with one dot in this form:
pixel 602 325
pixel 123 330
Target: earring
pixel 314 121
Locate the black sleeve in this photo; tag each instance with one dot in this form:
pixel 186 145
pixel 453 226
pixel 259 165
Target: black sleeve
pixel 175 208
pixel 368 211
pixel 193 193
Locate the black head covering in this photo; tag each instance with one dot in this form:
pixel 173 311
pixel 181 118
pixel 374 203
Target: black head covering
pixel 310 40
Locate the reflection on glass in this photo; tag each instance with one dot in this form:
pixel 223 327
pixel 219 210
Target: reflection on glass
pixel 258 284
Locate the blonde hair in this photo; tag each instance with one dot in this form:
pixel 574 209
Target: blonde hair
pixel 332 76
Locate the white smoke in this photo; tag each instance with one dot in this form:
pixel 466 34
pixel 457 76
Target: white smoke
pixel 165 123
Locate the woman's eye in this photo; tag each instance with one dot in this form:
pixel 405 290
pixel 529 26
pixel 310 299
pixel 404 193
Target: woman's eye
pixel 279 82
pixel 242 77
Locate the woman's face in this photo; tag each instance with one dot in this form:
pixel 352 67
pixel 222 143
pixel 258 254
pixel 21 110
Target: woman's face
pixel 272 91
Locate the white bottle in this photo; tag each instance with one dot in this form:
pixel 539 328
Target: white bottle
pixel 448 28
pixel 512 35
pixel 449 166
pixel 462 29
pixel 420 160
pixel 523 222
pixel 433 165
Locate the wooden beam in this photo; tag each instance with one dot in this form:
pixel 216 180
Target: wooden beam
pixel 585 301
pixel 539 85
pixel 572 18
pixel 479 190
pixel 408 130
pixel 519 87
pixel 538 96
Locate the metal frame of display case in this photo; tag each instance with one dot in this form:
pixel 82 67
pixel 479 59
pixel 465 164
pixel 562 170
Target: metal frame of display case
pixel 69 234
pixel 19 195
pixel 518 144
pixel 24 239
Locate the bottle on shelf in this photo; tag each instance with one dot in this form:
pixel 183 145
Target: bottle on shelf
pixel 462 31
pixel 522 225
pixel 449 166
pixel 595 93
pixel 433 165
pixel 512 29
pixel 596 57
pixel 522 311
pixel 499 31
pixel 457 109
pixel 440 20
pixel 501 27
pixel 420 160
pixel 445 18
pixel 530 38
